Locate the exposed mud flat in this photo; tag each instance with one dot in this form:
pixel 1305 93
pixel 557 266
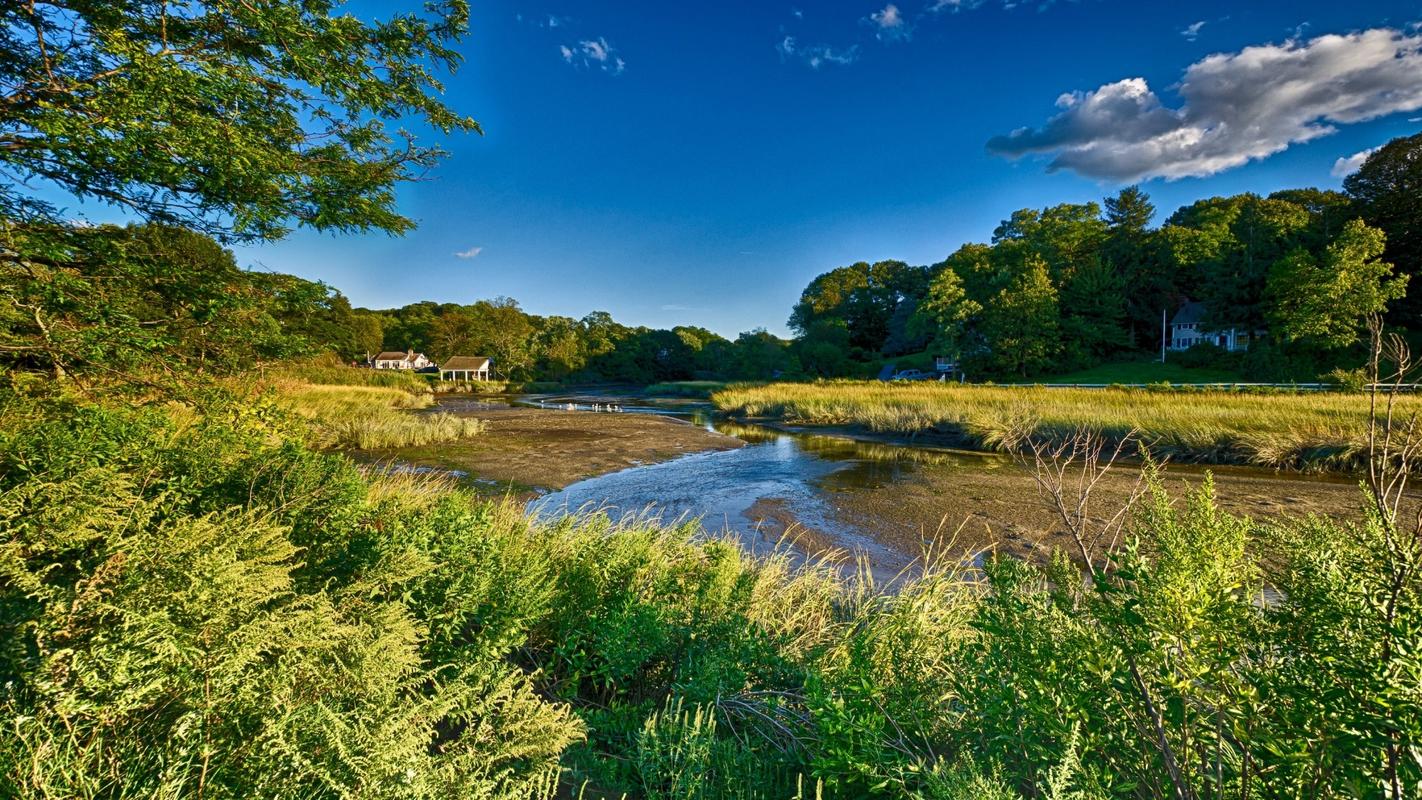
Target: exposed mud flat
pixel 526 451
pixel 998 506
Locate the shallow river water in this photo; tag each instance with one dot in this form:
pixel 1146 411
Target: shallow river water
pixel 883 501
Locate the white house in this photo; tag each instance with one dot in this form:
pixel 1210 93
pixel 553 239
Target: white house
pixel 392 359
pixel 1188 329
pixel 465 368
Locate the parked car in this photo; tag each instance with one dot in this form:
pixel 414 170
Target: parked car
pixel 911 375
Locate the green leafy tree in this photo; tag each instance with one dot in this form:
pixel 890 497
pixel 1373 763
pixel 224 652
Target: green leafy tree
pixel 367 334
pixel 945 313
pixel 1234 282
pixel 151 298
pixel 233 119
pixel 1021 324
pixel 559 347
pixel 1387 189
pixel 763 355
pixel 411 327
pixel 1326 301
pixel 1148 281
pixel 824 349
pixel 238 119
pixel 865 296
pixel 1327 209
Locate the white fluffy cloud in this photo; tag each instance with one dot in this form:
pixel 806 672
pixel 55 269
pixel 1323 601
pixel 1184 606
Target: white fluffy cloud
pixel 1236 107
pixel 816 55
pixel 595 54
pixel 472 252
pixel 889 23
pixel 1344 167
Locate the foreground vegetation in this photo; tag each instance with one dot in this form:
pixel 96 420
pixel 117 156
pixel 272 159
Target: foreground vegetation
pixel 195 607
pixel 1276 429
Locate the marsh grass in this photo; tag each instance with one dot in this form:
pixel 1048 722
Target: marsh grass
pixel 1286 430
pixel 370 417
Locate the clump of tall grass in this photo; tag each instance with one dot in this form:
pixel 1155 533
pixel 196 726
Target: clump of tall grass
pixel 370 417
pixel 1306 430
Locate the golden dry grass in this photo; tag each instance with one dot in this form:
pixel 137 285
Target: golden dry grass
pixel 371 417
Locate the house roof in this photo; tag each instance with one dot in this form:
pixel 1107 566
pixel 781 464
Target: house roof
pixel 391 355
pixel 1190 313
pixel 472 363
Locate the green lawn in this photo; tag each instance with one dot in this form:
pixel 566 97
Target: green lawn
pixel 1146 372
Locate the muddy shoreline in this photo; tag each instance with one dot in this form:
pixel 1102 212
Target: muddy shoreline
pixel 528 451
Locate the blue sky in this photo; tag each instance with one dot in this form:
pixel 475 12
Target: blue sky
pixel 680 163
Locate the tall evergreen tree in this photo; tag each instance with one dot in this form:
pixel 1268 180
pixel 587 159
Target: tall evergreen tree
pixel 1145 278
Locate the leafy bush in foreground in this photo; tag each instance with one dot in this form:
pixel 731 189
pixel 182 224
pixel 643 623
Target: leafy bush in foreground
pixel 192 606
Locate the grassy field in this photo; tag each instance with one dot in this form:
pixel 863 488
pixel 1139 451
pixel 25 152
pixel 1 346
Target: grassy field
pixel 1301 431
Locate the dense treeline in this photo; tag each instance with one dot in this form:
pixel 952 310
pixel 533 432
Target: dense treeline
pixel 594 348
pixel 109 300
pixel 1074 285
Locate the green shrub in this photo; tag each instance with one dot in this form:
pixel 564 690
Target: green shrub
pixel 193 602
pixel 168 633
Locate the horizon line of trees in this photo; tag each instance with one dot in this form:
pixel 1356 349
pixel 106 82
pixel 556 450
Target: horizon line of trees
pixel 1074 285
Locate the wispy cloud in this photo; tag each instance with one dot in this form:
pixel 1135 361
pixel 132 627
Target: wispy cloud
pixel 954 6
pixel 1236 108
pixel 889 24
pixel 679 307
pixel 594 54
pixel 816 55
pixel 1344 167
pixel 1191 32
pixel 939 6
pixel 472 252
pixel 544 20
